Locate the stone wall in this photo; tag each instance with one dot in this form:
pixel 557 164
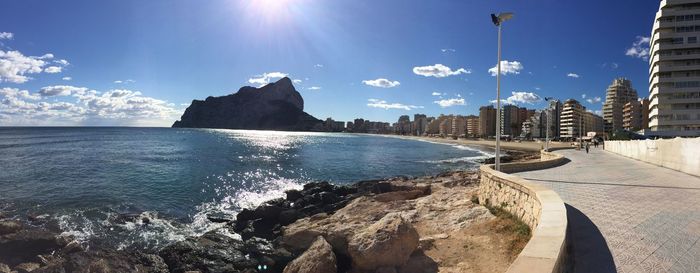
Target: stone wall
pixel 681 154
pixel 537 206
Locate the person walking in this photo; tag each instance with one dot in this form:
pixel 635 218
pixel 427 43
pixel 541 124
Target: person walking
pixel 586 147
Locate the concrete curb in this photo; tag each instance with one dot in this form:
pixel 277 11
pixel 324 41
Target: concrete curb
pixel 538 206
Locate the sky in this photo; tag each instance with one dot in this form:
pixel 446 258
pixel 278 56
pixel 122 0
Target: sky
pixel 141 63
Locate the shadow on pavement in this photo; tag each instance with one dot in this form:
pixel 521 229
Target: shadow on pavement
pixel 588 249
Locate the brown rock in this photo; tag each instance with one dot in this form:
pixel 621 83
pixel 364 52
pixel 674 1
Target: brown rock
pixel 387 243
pixel 399 195
pixel 26 267
pixel 4 268
pixel 9 226
pixel 319 258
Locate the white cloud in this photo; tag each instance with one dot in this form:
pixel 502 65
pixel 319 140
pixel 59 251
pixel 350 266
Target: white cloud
pixel 507 67
pixel 318 66
pixel 14 66
pixel 61 90
pixel 594 100
pixel 438 71
pixel 450 102
pixel 16 93
pixel 437 94
pixel 640 48
pixel 46 56
pixel 62 62
pixel 124 81
pixel 67 78
pixel 573 75
pixel 447 50
pixel 266 78
pixel 53 69
pixel 296 81
pixel 597 112
pixel 314 88
pixel 381 82
pixel 519 97
pixel 583 96
pixel 6 36
pixel 377 103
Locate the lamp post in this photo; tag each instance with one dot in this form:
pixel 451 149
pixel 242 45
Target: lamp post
pixel 498 21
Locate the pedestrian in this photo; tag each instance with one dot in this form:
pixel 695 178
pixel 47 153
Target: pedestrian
pixel 586 147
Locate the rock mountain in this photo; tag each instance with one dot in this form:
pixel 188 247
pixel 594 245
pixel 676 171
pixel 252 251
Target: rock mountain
pixel 275 106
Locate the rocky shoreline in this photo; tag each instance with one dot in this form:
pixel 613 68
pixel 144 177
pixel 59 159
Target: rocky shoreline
pixel 363 227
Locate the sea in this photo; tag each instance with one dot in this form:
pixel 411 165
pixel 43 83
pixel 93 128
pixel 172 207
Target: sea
pixel 98 184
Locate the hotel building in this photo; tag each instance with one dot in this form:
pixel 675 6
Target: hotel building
pixel 674 70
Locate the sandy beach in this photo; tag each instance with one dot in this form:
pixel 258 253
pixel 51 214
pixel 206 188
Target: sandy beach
pixel 529 146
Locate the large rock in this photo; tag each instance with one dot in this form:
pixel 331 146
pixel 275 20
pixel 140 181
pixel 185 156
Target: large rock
pixel 7 227
pixel 319 258
pixel 25 245
pixel 276 106
pixel 387 243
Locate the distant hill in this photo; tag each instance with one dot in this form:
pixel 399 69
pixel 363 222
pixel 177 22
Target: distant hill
pixel 275 106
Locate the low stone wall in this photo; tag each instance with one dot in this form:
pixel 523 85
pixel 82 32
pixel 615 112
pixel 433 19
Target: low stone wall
pixel 681 154
pixel 537 206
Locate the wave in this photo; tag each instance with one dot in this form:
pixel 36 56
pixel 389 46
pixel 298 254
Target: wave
pixel 149 230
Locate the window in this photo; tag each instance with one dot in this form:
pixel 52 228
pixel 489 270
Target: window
pixel 692 40
pixel 677 41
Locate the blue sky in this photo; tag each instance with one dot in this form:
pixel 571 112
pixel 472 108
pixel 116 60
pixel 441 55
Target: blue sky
pixel 132 62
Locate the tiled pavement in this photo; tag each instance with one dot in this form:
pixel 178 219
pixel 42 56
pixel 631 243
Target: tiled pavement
pixel 648 215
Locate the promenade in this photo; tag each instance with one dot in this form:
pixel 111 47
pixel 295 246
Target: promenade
pixel 626 215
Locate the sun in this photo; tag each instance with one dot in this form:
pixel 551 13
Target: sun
pixel 272 9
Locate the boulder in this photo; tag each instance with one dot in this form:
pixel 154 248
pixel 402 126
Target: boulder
pixel 319 258
pixel 26 244
pixel 387 243
pixel 9 226
pixel 26 267
pixel 4 268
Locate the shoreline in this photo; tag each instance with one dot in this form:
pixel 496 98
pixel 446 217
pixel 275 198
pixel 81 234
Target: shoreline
pixel 524 146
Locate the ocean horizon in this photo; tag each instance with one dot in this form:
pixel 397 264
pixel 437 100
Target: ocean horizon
pixel 100 183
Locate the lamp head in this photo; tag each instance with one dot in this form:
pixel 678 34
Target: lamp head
pixel 501 17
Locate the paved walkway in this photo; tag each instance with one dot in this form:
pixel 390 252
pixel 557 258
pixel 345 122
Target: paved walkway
pixel 648 216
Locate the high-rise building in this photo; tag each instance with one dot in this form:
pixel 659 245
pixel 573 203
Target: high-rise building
pixel 553 112
pixel 618 93
pixel 674 72
pixel 510 125
pixel 403 126
pixel 571 119
pixel 487 121
pixel 593 123
pixel 420 124
pixel 459 126
pixel 635 115
pixel 472 126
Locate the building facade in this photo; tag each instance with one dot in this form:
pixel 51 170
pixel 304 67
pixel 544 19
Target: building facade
pixel 420 124
pixel 571 119
pixel 472 126
pixel 674 72
pixel 617 94
pixel 487 121
pixel 635 115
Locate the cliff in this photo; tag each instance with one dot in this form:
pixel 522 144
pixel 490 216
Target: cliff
pixel 276 106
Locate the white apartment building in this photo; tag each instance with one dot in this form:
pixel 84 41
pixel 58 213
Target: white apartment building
pixel 674 70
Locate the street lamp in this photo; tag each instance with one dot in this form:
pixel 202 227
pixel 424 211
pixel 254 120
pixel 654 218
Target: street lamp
pixel 498 21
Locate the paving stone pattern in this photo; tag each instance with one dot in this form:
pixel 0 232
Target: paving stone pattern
pixel 648 215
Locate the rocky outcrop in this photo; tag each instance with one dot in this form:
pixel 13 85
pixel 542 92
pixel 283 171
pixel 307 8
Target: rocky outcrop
pixel 387 243
pixel 276 106
pixel 319 258
pixel 7 227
